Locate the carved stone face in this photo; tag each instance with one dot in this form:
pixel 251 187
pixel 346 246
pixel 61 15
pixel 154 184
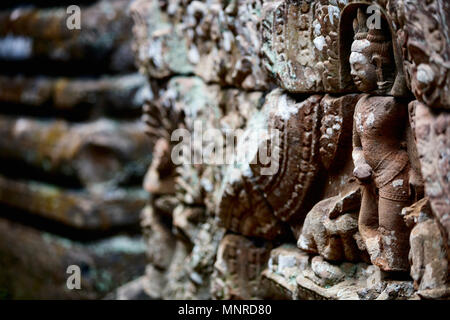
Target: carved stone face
pixel 363 71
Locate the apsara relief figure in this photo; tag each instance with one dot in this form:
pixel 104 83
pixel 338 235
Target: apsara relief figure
pixel 379 150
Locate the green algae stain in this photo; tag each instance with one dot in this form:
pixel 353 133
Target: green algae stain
pixel 177 55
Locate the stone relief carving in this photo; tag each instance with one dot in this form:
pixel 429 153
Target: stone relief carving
pixel 291 56
pixel 357 157
pixel 255 204
pixel 429 253
pixel 238 268
pixel 302 46
pixel 330 228
pixel 217 41
pixel 432 134
pixel 381 162
pixel 426 48
pixel 357 207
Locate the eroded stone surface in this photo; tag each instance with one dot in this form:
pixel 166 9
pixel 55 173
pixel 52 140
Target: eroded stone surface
pixel 217 41
pixel 72 152
pixel 99 152
pixel 429 253
pixel 35 33
pixel 238 267
pixel 331 227
pixel 95 210
pixel 426 48
pixel 432 136
pixel 108 95
pixel 105 264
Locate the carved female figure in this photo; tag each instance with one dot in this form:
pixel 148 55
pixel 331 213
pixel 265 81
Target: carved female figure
pixel 379 149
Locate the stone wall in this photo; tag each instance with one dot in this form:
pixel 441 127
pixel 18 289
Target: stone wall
pixel 323 225
pixel 348 100
pixel 73 150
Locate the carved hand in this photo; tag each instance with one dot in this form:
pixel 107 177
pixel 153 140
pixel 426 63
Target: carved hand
pixel 363 172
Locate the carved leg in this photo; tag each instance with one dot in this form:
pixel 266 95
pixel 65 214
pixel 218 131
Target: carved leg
pixel 394 236
pixel 392 228
pixel 368 221
pixel 368 214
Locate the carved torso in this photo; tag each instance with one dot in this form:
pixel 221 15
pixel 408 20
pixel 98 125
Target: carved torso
pixel 380 125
